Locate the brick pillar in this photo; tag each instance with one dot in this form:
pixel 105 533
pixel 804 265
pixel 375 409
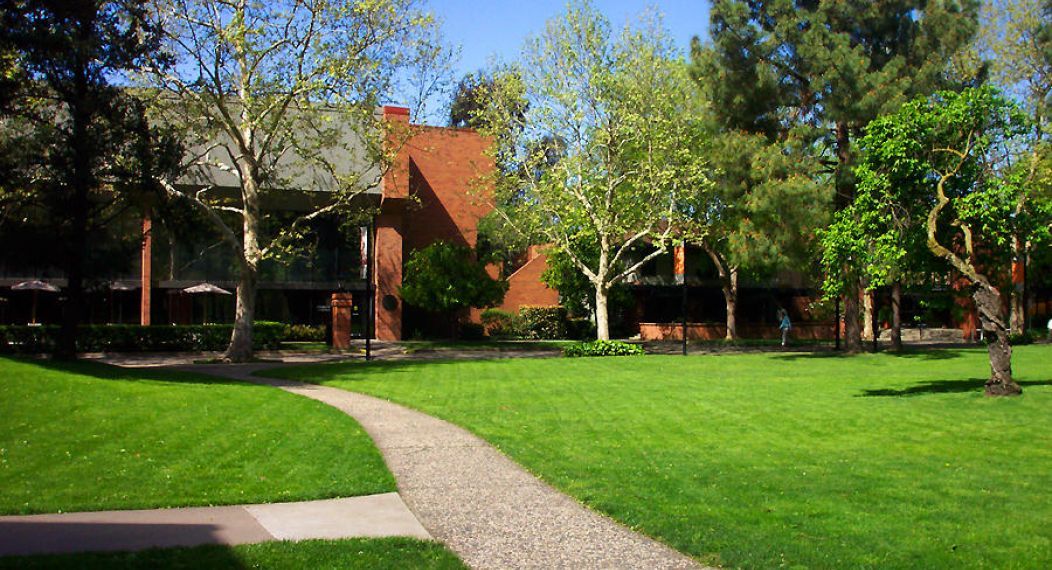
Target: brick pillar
pixel 390 223
pixel 146 272
pixel 342 314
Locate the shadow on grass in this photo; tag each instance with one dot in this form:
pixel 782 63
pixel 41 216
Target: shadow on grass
pixel 103 371
pixel 927 353
pixel 943 387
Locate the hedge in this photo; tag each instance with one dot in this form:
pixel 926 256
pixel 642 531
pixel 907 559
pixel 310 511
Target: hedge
pixel 137 338
pixel 541 323
pixel 603 348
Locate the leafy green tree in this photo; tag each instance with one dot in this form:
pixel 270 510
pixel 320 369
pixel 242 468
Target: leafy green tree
pixel 833 66
pixel 77 151
pixel 447 277
pixel 471 97
pixel 280 96
pixel 945 164
pixel 1016 40
pixel 620 115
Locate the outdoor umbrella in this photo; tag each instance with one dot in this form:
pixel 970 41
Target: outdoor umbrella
pixel 36 286
pixel 203 288
pixel 118 286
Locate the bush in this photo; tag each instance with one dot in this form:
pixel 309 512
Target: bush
pixel 472 331
pixel 542 323
pixel 137 338
pixel 580 329
pixel 603 348
pixel 498 323
pixel 305 333
pixel 1018 339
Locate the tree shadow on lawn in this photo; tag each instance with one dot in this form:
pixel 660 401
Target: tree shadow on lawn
pixel 104 371
pixel 352 371
pixel 942 387
pixel 910 353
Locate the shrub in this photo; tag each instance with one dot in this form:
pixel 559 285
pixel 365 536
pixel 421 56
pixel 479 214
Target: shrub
pixel 603 348
pixel 137 338
pixel 498 323
pixel 1017 339
pixel 580 329
pixel 305 333
pixel 542 323
pixel 472 331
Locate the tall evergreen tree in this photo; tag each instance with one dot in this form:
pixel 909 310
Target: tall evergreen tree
pixel 76 145
pixel 833 66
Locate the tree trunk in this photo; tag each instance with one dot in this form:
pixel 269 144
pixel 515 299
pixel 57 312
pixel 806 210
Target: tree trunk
pixel 896 316
pixel 240 348
pixel 868 328
pixel 730 297
pixel 1017 309
pixel 988 303
pixel 602 316
pixel 845 195
pixel 852 330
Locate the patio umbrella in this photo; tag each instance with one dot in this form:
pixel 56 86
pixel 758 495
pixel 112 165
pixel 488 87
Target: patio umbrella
pixel 36 286
pixel 118 287
pixel 205 288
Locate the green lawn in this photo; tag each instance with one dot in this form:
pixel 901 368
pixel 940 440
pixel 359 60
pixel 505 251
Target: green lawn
pixel 770 460
pixel 87 436
pixel 393 553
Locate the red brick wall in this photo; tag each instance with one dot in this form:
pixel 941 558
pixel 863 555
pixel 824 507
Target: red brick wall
pixel 526 288
pixel 444 172
pixel 439 170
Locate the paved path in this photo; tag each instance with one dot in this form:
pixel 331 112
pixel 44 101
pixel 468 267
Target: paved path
pixel 471 497
pixel 371 516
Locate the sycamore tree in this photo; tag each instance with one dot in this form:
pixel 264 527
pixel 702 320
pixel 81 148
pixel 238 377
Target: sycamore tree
pixel 835 66
pixel 950 166
pixel 280 96
pixel 605 149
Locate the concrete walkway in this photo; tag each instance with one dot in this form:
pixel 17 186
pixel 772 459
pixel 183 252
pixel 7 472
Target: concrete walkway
pixel 471 497
pixel 371 516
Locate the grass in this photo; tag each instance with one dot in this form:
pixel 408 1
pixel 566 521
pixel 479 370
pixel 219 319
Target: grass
pixel 414 346
pixel 770 460
pixel 86 436
pixel 392 553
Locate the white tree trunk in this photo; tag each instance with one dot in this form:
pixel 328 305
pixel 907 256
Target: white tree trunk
pixel 867 315
pixel 602 313
pixel 240 348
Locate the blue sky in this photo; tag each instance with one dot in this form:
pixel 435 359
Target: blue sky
pixel 483 27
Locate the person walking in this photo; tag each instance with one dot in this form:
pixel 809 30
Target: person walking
pixel 1050 330
pixel 785 325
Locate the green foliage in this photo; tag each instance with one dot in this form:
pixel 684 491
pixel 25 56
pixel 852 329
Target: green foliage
pixel 967 140
pixel 541 323
pixel 471 331
pixel 498 323
pixel 605 148
pixel 446 277
pixel 304 333
pixel 136 338
pixel 603 348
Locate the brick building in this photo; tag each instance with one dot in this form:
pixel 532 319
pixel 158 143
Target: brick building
pixel 426 196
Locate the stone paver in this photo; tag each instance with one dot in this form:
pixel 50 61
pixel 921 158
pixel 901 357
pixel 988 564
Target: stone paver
pixel 371 516
pixel 468 495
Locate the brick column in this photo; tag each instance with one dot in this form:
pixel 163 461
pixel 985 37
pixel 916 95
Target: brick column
pixel 390 228
pixel 342 313
pixel 146 270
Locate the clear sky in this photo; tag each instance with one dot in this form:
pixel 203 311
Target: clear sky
pixel 484 28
